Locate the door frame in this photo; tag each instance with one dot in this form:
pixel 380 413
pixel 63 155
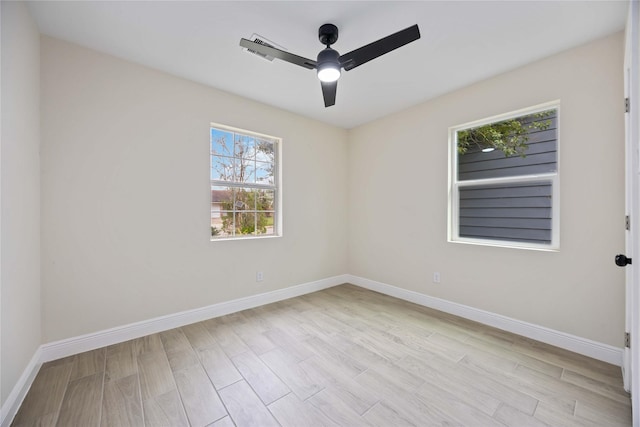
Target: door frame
pixel 631 357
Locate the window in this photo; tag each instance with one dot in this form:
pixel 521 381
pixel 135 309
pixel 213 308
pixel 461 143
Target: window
pixel 504 180
pixel 245 189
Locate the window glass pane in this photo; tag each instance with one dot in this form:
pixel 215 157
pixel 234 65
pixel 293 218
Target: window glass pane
pixel 222 196
pixel 518 212
pixel 525 145
pixel 265 221
pixel 264 173
pixel 264 151
pixel 221 200
pixel 221 142
pixel 245 222
pixel 227 225
pixel 245 170
pixel 245 146
pixel 244 199
pixel 222 168
pixel 265 200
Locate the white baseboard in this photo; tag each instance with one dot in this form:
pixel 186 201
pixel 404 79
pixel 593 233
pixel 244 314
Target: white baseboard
pixel 17 395
pixel 593 349
pixel 71 346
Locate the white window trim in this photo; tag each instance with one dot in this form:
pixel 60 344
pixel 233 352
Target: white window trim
pixel 277 152
pixel 455 185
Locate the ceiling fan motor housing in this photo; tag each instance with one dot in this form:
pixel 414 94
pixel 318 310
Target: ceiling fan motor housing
pixel 328 55
pixel 328 34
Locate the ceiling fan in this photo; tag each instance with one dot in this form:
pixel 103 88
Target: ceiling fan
pixel 329 61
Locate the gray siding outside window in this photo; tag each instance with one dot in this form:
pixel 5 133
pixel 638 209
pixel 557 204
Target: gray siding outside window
pixel 509 211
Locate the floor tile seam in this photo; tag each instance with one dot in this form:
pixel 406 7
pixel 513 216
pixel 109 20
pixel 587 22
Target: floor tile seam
pixel 106 380
pixel 291 390
pixel 502 404
pixel 371 408
pixel 175 384
pixel 580 390
pixel 618 420
pixel 139 388
pixel 535 409
pixel 238 336
pixel 104 373
pixel 328 388
pixel 337 360
pixel 273 415
pixel 182 405
pixel 274 401
pixel 424 398
pixel 519 362
pixel 139 393
pixel 204 369
pixel 324 387
pixel 66 389
pixel 603 385
pixel 249 383
pixel 196 349
pixel 328 415
pixel 442 386
pixel 231 355
pixel 562 361
pixel 510 381
pixel 57 411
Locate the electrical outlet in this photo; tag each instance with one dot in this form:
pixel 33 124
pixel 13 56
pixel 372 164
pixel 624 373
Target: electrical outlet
pixel 259 276
pixel 436 277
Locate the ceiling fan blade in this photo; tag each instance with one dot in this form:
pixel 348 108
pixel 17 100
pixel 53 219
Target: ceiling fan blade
pixel 329 93
pixel 378 48
pixel 277 53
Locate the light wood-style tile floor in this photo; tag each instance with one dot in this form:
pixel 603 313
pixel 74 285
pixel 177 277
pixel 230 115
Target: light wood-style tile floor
pixel 344 356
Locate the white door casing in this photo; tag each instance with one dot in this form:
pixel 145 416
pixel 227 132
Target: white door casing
pixel 631 357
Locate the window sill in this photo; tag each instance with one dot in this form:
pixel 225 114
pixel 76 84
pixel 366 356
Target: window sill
pixel 496 244
pixel 227 239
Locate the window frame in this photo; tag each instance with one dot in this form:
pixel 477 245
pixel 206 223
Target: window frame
pixel 276 187
pixel 454 185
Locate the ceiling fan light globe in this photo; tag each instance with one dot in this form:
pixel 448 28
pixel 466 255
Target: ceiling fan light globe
pixel 328 65
pixel 328 74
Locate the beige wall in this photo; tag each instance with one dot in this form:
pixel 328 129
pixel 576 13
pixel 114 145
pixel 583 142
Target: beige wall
pixel 125 196
pixel 20 211
pixel 401 160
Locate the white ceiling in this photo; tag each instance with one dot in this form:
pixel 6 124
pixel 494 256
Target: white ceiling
pixel 462 42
